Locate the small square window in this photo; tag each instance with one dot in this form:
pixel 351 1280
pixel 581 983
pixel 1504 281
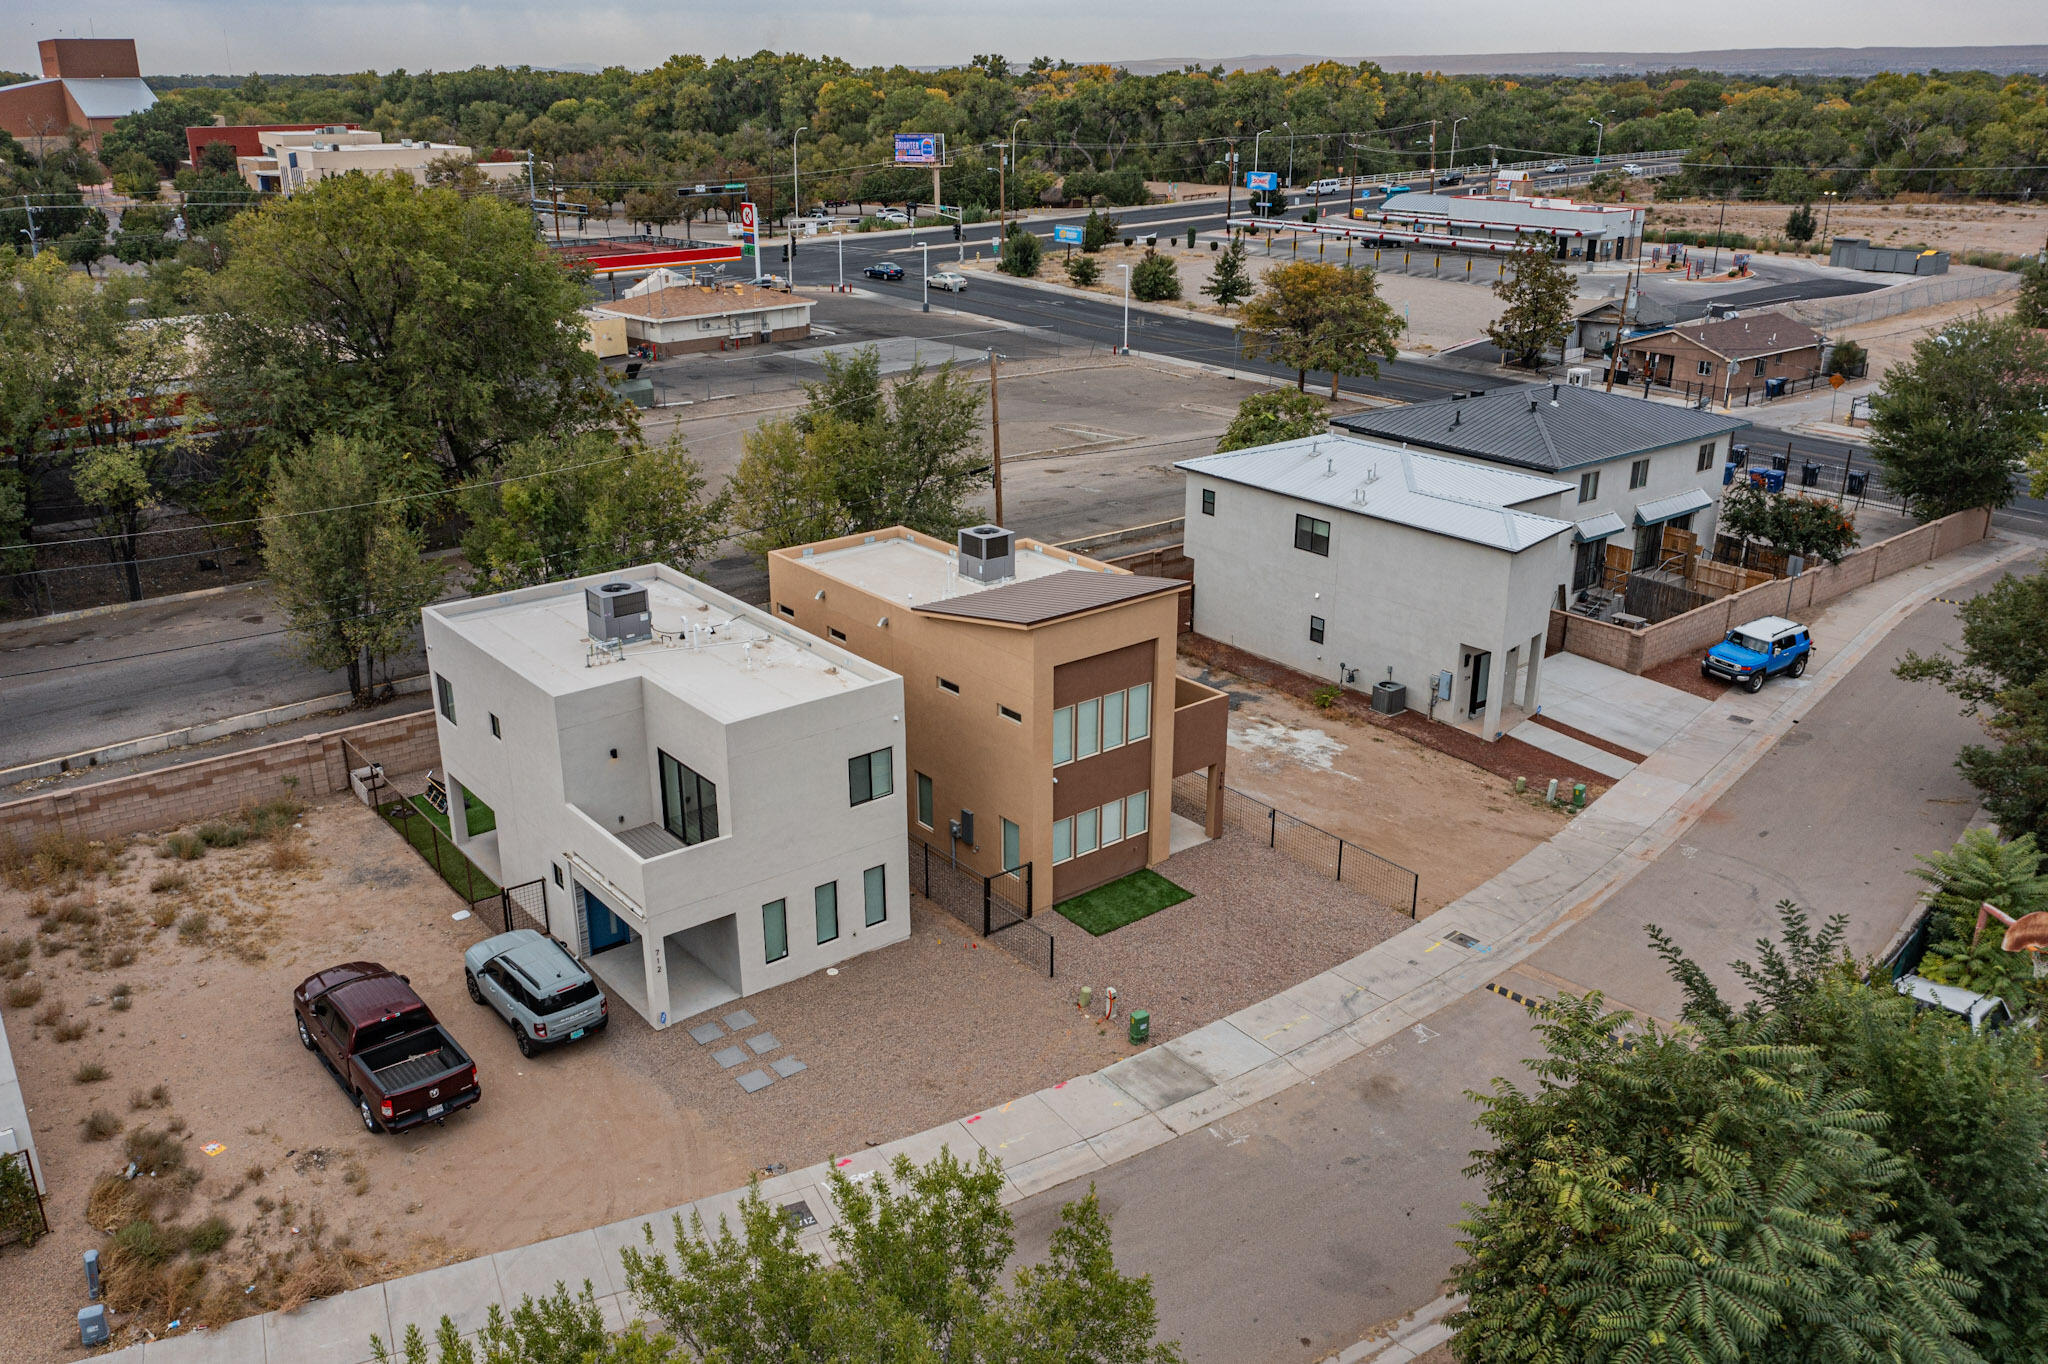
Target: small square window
pixel 1759 369
pixel 1639 474
pixel 1706 367
pixel 837 634
pixel 1706 458
pixel 1312 535
pixel 953 687
pixel 1208 501
pixel 786 610
pixel 1315 629
pixel 1014 717
pixel 496 733
pixel 870 777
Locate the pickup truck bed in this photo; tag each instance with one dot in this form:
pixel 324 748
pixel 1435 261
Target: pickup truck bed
pixel 412 1061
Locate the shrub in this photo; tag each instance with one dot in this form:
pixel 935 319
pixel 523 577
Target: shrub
pixel 120 1004
pixel 21 1215
pixel 208 1236
pixel 156 1097
pixel 1021 253
pixel 163 916
pixel 1082 270
pixel 1326 697
pixel 169 882
pixel 218 834
pixel 195 927
pixel 52 1014
pixel 268 819
pixel 183 847
pixel 1156 278
pixel 24 995
pixel 91 1073
pixel 1848 358
pixel 141 1242
pixel 53 858
pixel 1099 231
pixel 100 1125
pixel 155 1152
pixel 69 1032
pixel 289 854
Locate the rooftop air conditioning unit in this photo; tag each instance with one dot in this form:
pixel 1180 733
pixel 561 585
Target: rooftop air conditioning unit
pixel 618 611
pixel 988 554
pixel 1578 376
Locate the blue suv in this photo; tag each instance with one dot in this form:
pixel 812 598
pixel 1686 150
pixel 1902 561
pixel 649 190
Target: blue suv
pixel 1752 652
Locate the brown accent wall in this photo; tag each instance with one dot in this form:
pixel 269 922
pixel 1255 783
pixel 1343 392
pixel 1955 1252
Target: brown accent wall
pixel 1102 674
pixel 1698 630
pixel 1201 726
pixel 1089 782
pixel 1686 356
pixel 1078 875
pixel 722 341
pixel 89 57
pixel 35 111
pixel 245 138
pixel 170 796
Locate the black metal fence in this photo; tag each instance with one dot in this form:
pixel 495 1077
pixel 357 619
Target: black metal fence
pixel 997 907
pixel 404 813
pixel 526 906
pixel 1387 884
pixel 23 1218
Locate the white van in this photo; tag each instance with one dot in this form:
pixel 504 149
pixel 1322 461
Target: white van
pixel 1333 185
pixel 1983 1011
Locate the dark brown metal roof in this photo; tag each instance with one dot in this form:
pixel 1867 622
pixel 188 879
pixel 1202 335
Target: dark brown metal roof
pixel 1033 601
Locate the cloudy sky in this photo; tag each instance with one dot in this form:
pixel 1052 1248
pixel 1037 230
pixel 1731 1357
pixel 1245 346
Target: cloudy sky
pixel 212 36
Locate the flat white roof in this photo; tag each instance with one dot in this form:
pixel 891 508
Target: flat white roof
pixel 728 659
pixel 1388 482
pixel 899 569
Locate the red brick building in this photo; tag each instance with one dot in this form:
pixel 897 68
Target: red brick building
pixel 1724 360
pixel 245 138
pixel 87 84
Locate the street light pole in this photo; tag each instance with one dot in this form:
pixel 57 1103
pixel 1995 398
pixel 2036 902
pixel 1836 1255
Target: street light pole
pixel 841 238
pixel 926 247
pixel 1002 187
pixel 796 202
pixel 1599 139
pixel 1127 310
pixel 1828 216
pixel 1454 141
pixel 1290 153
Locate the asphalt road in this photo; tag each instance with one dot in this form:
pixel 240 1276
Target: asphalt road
pixel 1292 1229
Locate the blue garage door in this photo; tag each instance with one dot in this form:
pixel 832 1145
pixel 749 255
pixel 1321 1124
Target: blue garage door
pixel 606 929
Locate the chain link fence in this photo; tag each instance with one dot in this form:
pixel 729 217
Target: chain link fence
pixel 996 907
pixel 1387 884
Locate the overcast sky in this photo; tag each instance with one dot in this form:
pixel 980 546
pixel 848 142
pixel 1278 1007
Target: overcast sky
pixel 215 36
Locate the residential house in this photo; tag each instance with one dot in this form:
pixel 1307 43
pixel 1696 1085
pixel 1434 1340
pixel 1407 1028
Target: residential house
pixel 1361 561
pixel 1638 467
pixel 675 319
pixel 88 84
pixel 1044 720
pixel 1747 356
pixel 708 798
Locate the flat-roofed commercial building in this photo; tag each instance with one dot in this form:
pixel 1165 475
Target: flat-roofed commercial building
pixel 292 160
pixel 707 797
pixel 1044 720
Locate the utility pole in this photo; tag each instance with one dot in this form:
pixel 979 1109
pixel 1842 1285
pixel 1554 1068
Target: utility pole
pixel 995 435
pixel 30 209
pixel 1003 192
pixel 796 203
pixel 1828 216
pixel 1454 141
pixel 1432 154
pixel 1621 326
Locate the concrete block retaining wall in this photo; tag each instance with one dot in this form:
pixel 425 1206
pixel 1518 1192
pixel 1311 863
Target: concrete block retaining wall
pixel 212 787
pixel 1637 651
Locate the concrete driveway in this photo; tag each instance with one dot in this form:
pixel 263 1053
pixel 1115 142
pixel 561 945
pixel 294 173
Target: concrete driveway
pixel 1626 711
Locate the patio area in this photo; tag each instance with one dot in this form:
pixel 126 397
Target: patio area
pixel 692 988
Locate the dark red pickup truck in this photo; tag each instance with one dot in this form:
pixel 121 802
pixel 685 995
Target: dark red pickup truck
pixel 382 1043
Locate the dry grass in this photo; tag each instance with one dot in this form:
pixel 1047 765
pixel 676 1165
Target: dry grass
pixel 289 854
pixel 169 882
pixel 15 956
pixel 91 1073
pixel 182 847
pixel 71 1031
pixel 163 916
pixel 195 927
pixel 51 1014
pixel 157 1097
pixel 54 860
pixel 100 1125
pixel 24 994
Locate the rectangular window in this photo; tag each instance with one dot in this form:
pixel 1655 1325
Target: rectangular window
pixel 1112 823
pixel 689 803
pixel 1589 486
pixel 1706 458
pixel 1013 846
pixel 924 800
pixel 870 777
pixel 446 691
pixel 1062 840
pixel 1086 832
pixel 786 610
pixel 953 687
pixel 1136 809
pixel 1088 729
pixel 558 873
pixel 1140 724
pixel 1759 369
pixel 875 894
pixel 1639 474
pixel 1062 735
pixel 1706 367
pixel 1312 535
pixel 838 635
pixel 1208 501
pixel 496 733
pixel 775 929
pixel 825 899
pixel 1315 629
pixel 1015 717
pixel 1113 720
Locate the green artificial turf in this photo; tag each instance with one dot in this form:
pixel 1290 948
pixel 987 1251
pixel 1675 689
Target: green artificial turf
pixel 1123 901
pixel 458 871
pixel 482 818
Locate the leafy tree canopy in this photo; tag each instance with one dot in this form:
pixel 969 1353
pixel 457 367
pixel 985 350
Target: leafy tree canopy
pixel 1805 526
pixel 1540 301
pixel 1954 425
pixel 1309 316
pixel 1277 414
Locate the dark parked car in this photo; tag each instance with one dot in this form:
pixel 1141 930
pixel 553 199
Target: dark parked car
pixel 886 269
pixel 383 1045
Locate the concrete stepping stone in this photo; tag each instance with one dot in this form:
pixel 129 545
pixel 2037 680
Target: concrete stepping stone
pixel 786 1066
pixel 739 1018
pixel 754 1081
pixel 704 1034
pixel 763 1044
pixel 729 1056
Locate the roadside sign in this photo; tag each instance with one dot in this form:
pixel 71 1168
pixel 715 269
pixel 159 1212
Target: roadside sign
pixel 749 221
pixel 916 149
pixel 1070 234
pixel 1268 180
pixel 1836 381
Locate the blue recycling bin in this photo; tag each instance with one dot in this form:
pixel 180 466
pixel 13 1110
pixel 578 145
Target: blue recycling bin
pixel 1774 388
pixel 1770 480
pixel 1728 474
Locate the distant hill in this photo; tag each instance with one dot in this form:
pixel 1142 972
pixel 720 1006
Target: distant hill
pixel 1755 61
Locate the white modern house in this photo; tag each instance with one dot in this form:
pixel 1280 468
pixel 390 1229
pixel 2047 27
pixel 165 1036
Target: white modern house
pixel 706 795
pixel 1362 562
pixel 1636 467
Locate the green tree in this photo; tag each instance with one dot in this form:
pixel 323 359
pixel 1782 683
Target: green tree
pixel 1082 270
pixel 2012 775
pixel 1098 231
pixel 1155 278
pixel 1276 414
pixel 433 322
pixel 1847 359
pixel 207 198
pixel 1799 224
pixel 1540 299
pixel 2032 306
pixel 861 456
pixel 343 555
pixel 219 156
pixel 1788 522
pixel 1951 427
pixel 1309 316
pixel 1022 250
pixel 1230 280
pixel 2004 645
pixel 587 503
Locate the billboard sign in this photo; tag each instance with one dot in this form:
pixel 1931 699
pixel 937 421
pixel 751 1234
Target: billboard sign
pixel 1266 180
pixel 750 222
pixel 917 149
pixel 1067 234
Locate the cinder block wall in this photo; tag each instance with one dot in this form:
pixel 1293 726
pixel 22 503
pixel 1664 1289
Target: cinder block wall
pixel 1697 630
pixel 211 787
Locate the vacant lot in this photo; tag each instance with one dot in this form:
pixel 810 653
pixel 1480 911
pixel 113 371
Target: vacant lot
pixel 2009 228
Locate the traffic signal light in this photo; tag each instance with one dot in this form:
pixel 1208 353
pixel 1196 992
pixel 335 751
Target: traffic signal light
pixel 956 232
pixel 785 253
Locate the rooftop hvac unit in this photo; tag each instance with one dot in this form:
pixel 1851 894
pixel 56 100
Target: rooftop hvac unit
pixel 988 554
pixel 1578 377
pixel 618 611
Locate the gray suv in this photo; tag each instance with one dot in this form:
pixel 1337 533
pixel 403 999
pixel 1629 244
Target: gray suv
pixel 537 987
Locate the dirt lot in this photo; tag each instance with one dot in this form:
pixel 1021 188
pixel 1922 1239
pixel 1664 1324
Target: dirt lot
pixel 2010 228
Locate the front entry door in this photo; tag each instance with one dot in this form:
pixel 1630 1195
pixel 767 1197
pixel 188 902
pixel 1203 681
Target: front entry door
pixel 606 928
pixel 1479 670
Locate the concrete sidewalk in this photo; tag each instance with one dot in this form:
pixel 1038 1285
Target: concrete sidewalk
pixel 1087 1124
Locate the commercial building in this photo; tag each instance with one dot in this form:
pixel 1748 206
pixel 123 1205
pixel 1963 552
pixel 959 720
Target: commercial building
pixel 245 138
pixel 87 84
pixel 1637 468
pixel 1360 561
pixel 1045 722
pixel 289 160
pixel 675 319
pixel 706 797
pixel 1750 355
pixel 1450 222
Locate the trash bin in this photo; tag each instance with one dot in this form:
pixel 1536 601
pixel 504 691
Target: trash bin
pixel 1858 480
pixel 1728 474
pixel 1809 475
pixel 1738 455
pixel 1774 388
pixel 1141 1027
pixel 1781 462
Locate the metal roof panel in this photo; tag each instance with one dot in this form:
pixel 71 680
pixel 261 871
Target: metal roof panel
pixel 1549 427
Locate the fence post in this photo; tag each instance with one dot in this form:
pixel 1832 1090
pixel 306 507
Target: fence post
pixel 1272 826
pixel 987 896
pixel 1340 859
pixel 1414 893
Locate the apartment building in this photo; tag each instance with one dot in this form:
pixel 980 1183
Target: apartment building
pixel 1044 721
pixel 707 797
